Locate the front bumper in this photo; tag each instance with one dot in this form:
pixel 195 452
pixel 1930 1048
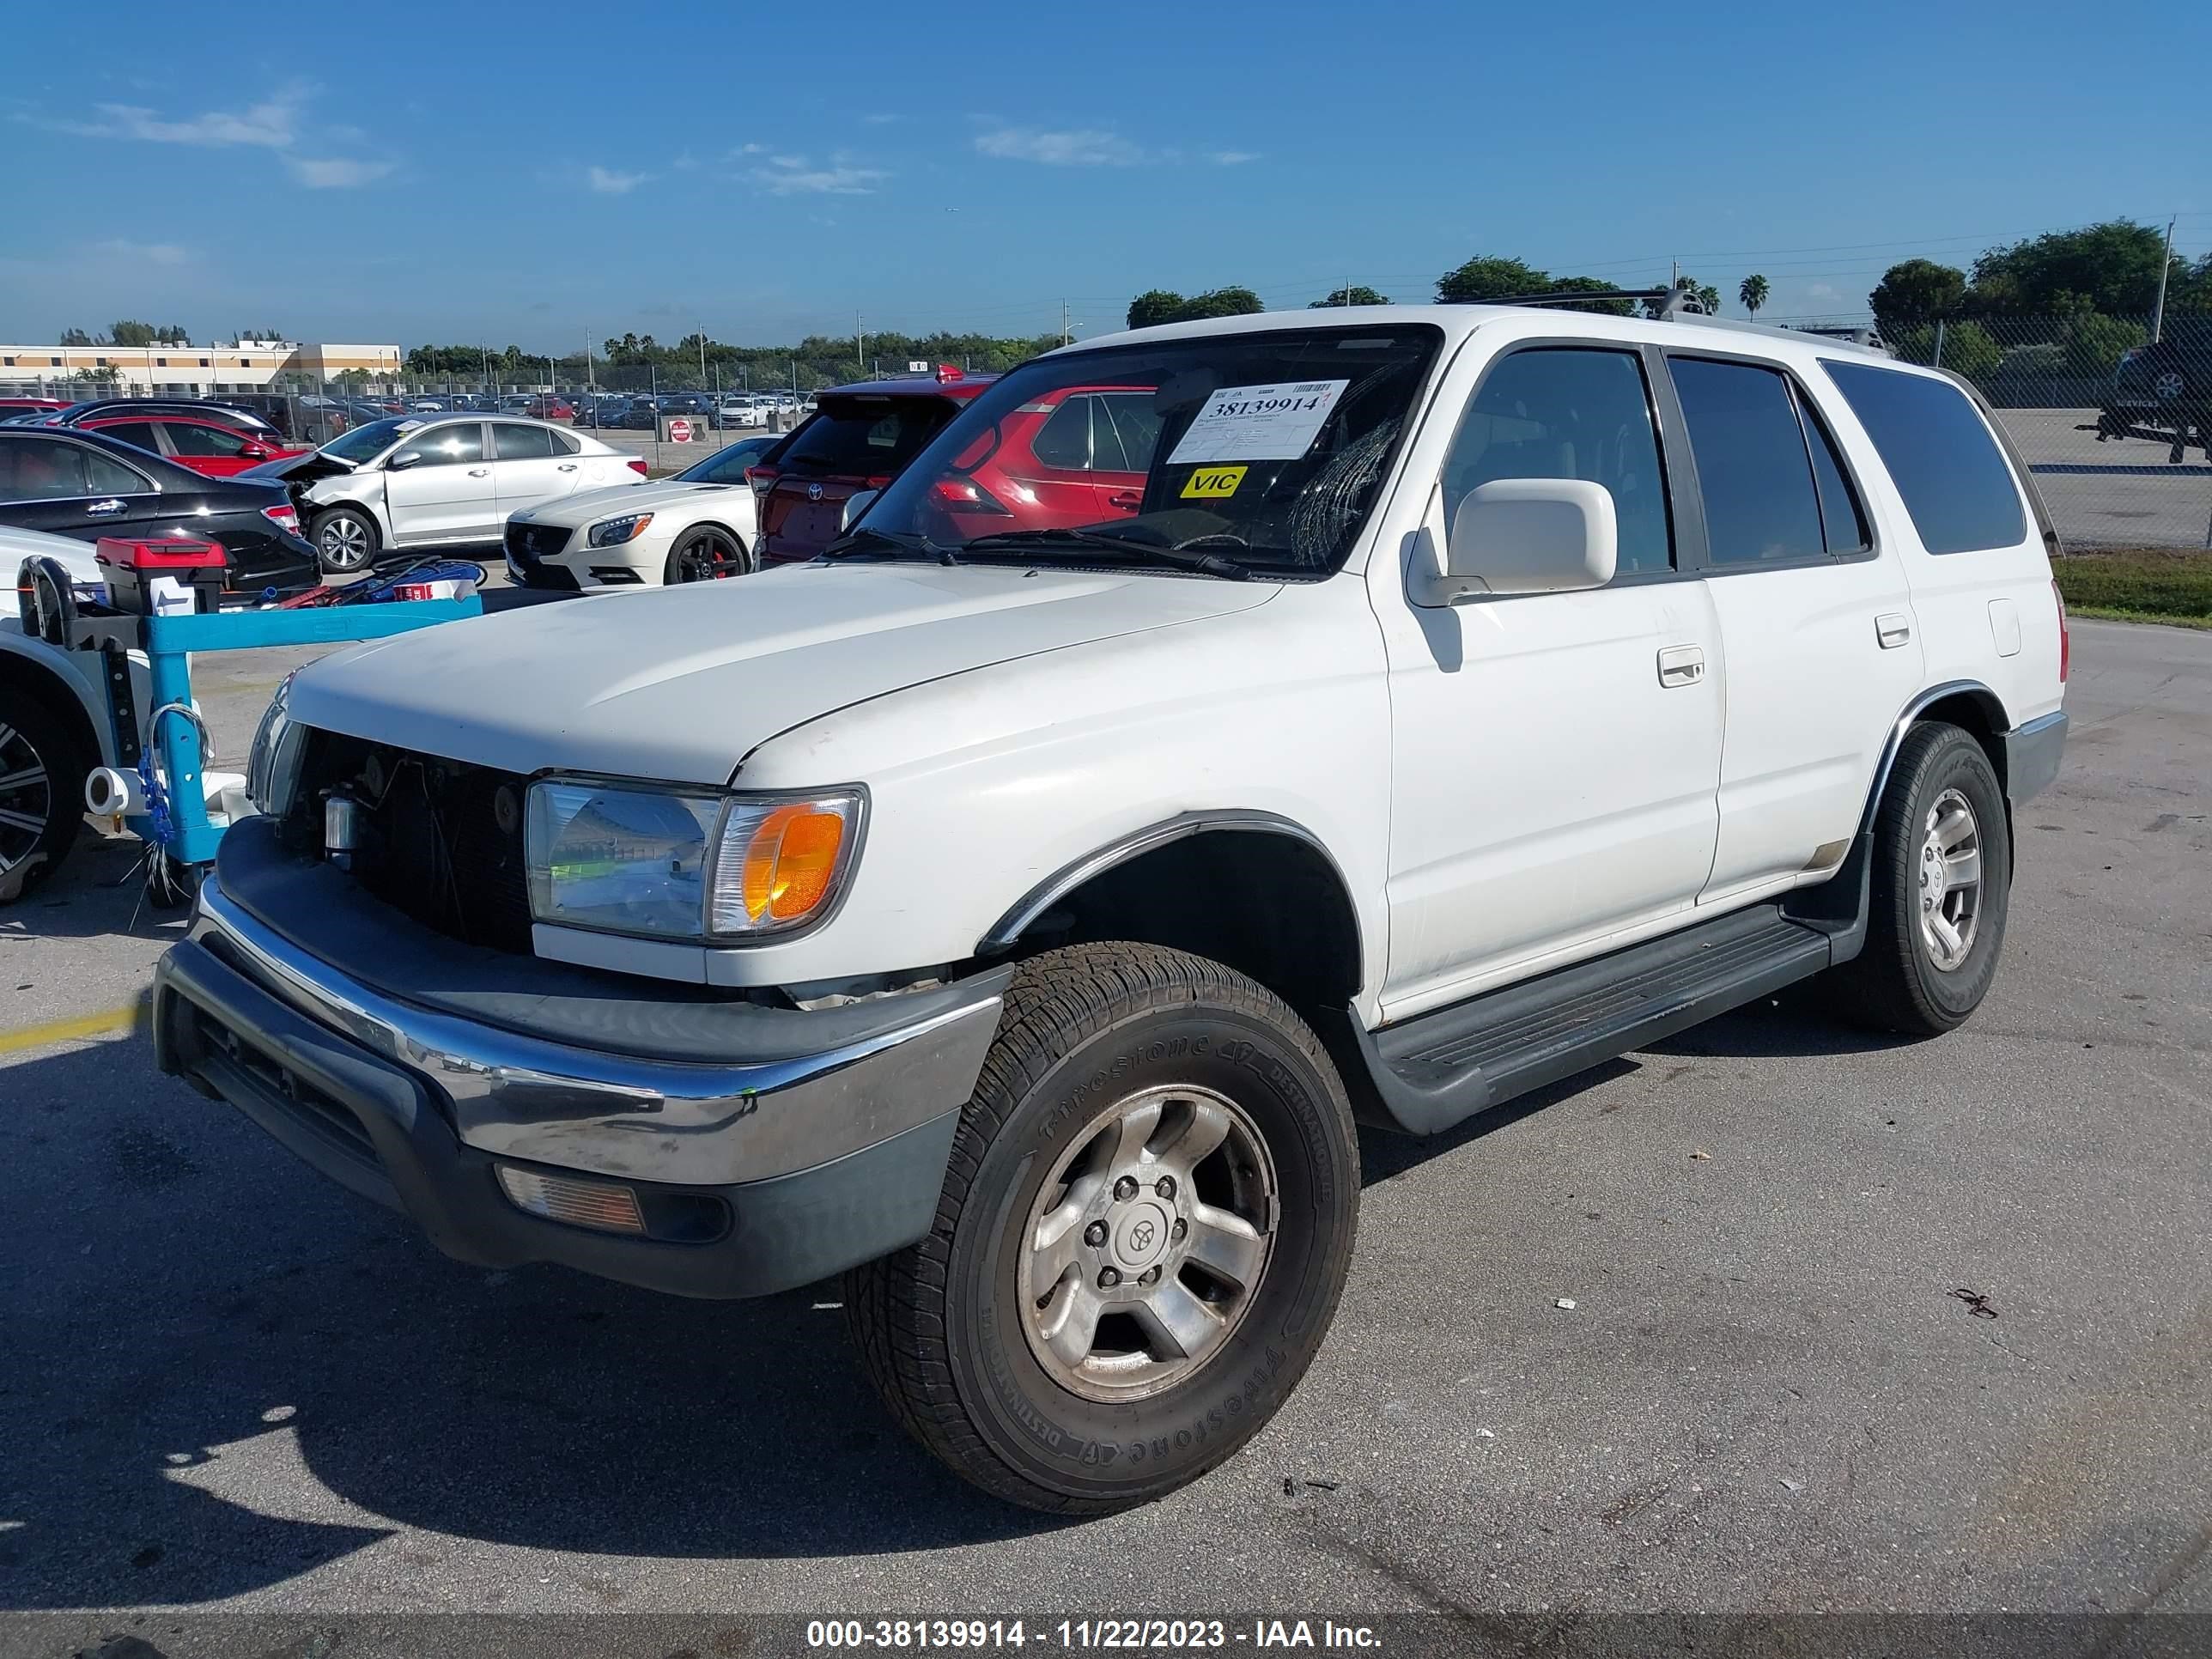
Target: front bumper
pixel 767 1148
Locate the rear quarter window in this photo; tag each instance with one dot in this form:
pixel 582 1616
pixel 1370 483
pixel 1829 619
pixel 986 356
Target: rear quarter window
pixel 1954 479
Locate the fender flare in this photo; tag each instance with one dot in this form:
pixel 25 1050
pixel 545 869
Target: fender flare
pixel 1001 935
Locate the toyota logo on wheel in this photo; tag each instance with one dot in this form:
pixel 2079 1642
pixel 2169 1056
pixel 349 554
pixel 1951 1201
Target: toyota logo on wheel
pixel 1140 1236
pixel 814 492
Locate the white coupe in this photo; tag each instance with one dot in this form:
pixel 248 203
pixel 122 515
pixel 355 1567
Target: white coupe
pixel 438 481
pixel 697 526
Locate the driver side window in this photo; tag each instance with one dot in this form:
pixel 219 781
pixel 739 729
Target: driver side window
pixel 1569 412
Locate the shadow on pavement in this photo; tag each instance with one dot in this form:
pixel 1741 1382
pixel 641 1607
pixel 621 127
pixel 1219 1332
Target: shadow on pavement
pixel 221 1371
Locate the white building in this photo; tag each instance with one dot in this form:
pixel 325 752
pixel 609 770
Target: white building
pixel 229 366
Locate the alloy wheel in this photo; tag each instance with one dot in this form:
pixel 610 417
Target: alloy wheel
pixel 1949 868
pixel 709 556
pixel 26 798
pixel 1148 1243
pixel 344 543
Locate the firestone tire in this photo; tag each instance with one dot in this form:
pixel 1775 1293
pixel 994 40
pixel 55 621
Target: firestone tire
pixel 944 1328
pixel 1942 785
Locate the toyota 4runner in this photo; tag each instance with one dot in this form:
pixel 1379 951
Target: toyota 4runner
pixel 1017 908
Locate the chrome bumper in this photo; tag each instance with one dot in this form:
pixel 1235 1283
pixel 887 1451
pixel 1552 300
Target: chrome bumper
pixel 676 1122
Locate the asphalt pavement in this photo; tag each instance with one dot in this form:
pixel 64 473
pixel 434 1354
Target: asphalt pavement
pixel 1857 1324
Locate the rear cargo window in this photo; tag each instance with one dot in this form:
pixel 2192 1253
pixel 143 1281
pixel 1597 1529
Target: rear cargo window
pixel 864 437
pixel 1947 466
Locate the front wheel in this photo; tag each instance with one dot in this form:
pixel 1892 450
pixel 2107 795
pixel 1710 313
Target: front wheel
pixel 1940 884
pixel 1144 1229
pixel 42 775
pixel 707 554
pixel 345 539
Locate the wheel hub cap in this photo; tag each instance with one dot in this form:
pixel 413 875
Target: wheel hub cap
pixel 1147 1243
pixel 1950 878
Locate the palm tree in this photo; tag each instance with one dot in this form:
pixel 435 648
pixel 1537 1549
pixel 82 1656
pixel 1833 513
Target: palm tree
pixel 1752 293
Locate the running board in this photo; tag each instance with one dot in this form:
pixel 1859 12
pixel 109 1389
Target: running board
pixel 1439 1067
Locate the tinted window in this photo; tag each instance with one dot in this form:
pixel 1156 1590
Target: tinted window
pixel 190 438
pixel 1569 414
pixel 1124 428
pixel 1842 522
pixel 728 464
pixel 1752 468
pixel 865 437
pixel 53 468
pixel 1064 441
pixel 140 433
pixel 450 446
pixel 1946 466
pixel 520 443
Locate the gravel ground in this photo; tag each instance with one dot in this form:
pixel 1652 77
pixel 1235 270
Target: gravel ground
pixel 225 1385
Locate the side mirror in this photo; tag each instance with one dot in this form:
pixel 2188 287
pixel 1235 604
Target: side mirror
pixel 855 504
pixel 403 460
pixel 1526 536
pixel 253 451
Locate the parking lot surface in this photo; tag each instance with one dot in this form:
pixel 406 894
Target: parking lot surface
pixel 1856 1324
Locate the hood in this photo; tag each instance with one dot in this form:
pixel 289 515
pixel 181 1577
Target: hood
pixel 76 556
pixel 297 469
pixel 681 683
pixel 639 497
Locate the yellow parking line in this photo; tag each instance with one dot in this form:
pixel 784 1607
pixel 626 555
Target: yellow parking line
pixel 125 1021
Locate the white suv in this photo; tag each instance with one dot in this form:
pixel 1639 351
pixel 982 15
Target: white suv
pixel 1018 906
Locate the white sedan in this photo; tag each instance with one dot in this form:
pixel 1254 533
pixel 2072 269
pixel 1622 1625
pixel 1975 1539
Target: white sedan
pixel 697 526
pixel 438 481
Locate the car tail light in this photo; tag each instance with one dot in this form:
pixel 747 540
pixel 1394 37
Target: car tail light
pixel 284 516
pixel 761 479
pixel 2065 637
pixel 966 496
pixel 877 480
pixel 638 467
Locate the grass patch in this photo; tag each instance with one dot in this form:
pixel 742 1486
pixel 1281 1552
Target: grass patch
pixel 2138 587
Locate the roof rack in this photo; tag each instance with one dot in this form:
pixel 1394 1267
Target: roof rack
pixel 1680 300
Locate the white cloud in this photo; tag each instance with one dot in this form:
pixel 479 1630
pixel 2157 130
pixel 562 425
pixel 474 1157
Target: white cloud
pixel 610 183
pixel 1233 158
pixel 1077 146
pixel 794 175
pixel 685 162
pixel 144 253
pixel 272 123
pixel 334 172
pixel 1821 291
pixel 749 149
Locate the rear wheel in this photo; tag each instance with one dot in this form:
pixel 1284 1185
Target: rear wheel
pixel 1144 1229
pixel 42 772
pixel 706 554
pixel 1939 887
pixel 345 537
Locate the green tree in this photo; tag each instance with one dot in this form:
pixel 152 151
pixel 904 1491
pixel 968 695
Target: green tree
pixel 76 337
pixel 261 334
pixel 128 333
pixel 1221 302
pixel 1590 285
pixel 1752 291
pixel 171 334
pixel 1916 291
pixel 1357 295
pixel 1155 306
pixel 1968 349
pixel 2092 344
pixel 2111 267
pixel 1486 277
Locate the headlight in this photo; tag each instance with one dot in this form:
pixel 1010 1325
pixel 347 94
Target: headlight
pixel 613 532
pixel 272 766
pixel 625 858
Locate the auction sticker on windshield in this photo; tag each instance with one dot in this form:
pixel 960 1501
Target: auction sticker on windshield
pixel 1258 423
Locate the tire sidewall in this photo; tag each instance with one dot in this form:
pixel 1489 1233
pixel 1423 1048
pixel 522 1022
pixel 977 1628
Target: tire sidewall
pixel 374 538
pixel 48 733
pixel 1096 1449
pixel 1958 762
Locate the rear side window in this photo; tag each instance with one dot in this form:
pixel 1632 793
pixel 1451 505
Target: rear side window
pixel 865 437
pixel 204 440
pixel 520 443
pixel 138 433
pixel 1753 469
pixel 1947 466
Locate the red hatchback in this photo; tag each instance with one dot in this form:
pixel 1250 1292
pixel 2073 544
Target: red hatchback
pixel 1078 458
pixel 219 452
pixel 861 437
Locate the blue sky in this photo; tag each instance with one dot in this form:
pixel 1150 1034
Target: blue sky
pixel 531 174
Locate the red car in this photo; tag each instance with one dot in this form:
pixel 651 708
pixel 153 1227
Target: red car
pixel 1078 458
pixel 219 452
pixel 545 407
pixel 859 438
pixel 29 406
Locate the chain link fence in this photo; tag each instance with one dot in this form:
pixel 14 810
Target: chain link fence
pixel 2114 424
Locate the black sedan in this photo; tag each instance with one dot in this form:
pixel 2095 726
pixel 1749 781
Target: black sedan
pixel 85 484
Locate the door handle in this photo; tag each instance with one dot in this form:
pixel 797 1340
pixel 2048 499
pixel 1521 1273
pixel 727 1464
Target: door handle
pixel 568 466
pixel 1892 629
pixel 1127 499
pixel 479 472
pixel 113 504
pixel 1681 665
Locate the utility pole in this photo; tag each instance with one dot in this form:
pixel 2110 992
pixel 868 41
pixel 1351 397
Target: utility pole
pixel 1065 336
pixel 591 386
pixel 702 354
pixel 859 349
pixel 2158 311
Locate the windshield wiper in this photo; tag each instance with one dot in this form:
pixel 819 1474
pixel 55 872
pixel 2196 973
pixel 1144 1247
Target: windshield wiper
pixel 866 539
pixel 1206 564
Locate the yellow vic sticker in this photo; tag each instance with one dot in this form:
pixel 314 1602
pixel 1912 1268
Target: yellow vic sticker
pixel 1213 484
